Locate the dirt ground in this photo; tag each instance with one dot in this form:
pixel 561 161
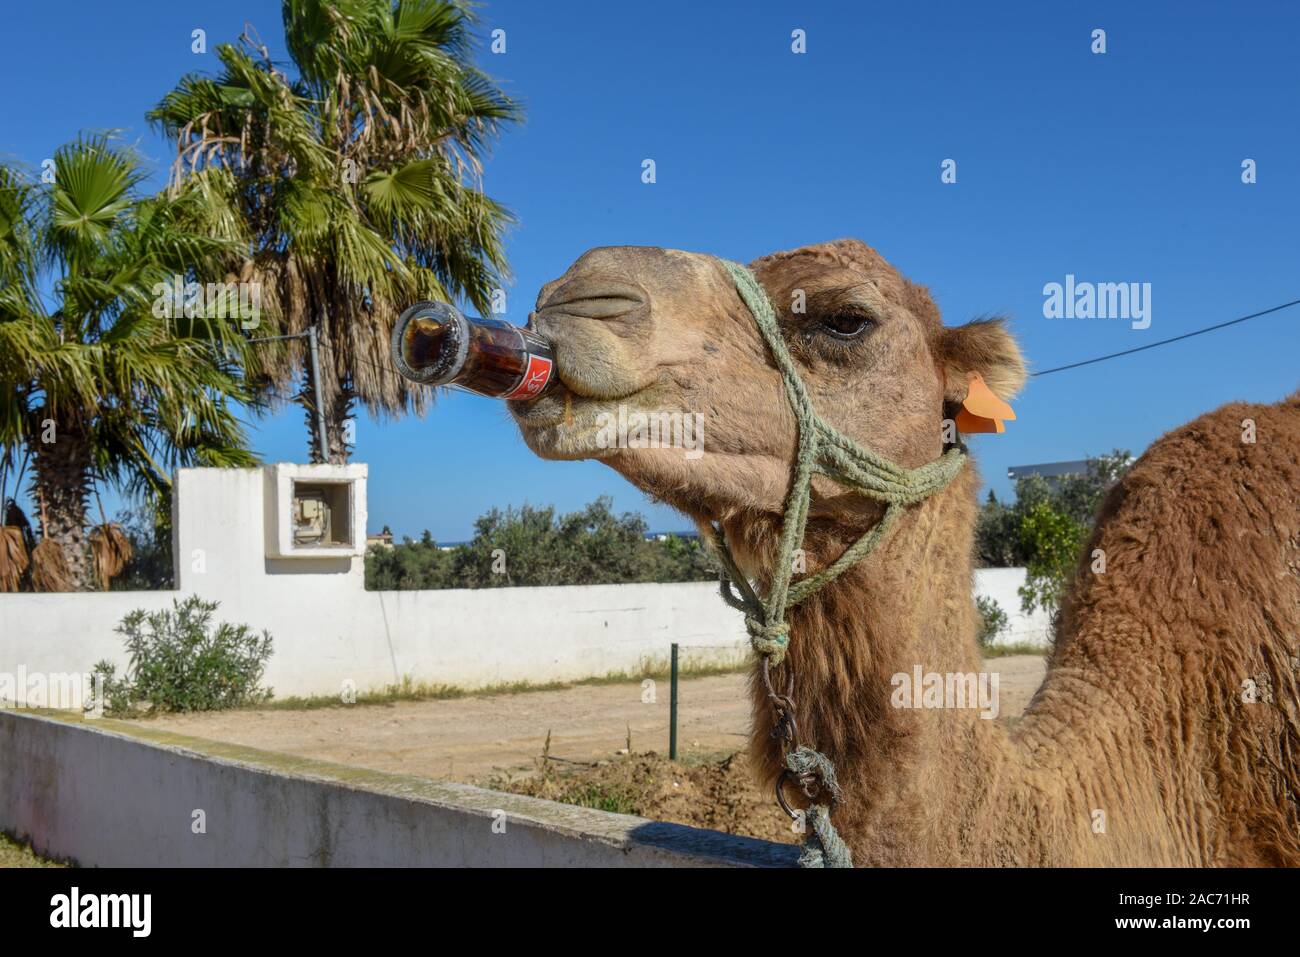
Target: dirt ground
pixel 497 741
pixel 466 738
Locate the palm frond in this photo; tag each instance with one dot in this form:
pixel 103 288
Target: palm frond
pixel 111 550
pixel 93 185
pixel 356 180
pixel 49 567
pixel 13 558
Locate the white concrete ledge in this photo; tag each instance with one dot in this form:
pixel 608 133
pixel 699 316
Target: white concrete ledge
pixel 107 794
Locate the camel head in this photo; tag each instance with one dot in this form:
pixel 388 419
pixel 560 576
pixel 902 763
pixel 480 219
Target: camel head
pixel 665 333
pixel 662 332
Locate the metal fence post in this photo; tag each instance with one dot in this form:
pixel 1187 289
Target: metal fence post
pixel 672 709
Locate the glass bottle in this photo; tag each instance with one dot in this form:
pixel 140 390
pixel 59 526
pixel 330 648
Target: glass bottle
pixel 435 344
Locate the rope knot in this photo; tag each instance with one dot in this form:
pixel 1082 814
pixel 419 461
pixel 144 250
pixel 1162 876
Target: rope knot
pixel 807 765
pixel 823 847
pixel 768 639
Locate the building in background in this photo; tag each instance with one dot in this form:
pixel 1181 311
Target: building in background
pixel 1052 472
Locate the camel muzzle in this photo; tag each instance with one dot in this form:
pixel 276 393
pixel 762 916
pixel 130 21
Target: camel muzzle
pixel 598 319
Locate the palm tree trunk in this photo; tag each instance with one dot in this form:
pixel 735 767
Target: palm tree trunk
pixel 338 421
pixel 61 478
pixel 340 426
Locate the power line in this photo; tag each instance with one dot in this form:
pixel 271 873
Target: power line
pixel 1072 365
pixel 1165 342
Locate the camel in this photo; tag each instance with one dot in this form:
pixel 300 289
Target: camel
pixel 1167 730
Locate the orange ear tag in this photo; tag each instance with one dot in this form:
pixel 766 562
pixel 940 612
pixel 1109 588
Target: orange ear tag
pixel 980 400
pixel 970 424
pixel 981 410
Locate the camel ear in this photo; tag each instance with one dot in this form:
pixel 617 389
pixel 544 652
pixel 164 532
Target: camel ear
pixel 985 347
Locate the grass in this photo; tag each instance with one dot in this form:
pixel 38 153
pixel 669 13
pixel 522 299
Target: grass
pixel 1018 648
pixel 614 786
pixel 613 800
pixel 13 854
pixel 410 690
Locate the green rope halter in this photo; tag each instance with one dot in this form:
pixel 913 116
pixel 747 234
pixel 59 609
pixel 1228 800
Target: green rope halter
pixel 822 450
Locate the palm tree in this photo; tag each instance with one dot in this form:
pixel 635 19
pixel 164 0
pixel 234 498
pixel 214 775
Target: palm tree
pixel 359 181
pixel 98 384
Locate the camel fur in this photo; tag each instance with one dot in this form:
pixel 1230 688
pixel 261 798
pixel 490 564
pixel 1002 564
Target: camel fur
pixel 1167 730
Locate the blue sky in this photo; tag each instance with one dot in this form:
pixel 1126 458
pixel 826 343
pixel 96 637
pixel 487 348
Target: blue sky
pixel 1121 167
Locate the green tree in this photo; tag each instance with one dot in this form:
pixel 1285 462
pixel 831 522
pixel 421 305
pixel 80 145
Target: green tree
pixel 96 386
pixel 358 180
pixel 997 535
pixel 409 565
pixel 1052 539
pixel 535 546
pixel 1046 528
pixel 1080 496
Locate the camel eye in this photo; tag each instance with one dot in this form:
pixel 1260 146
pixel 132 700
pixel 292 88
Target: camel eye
pixel 847 325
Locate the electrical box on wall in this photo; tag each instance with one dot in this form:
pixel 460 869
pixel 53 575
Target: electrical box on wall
pixel 316 511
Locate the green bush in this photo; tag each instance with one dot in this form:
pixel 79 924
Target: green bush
pixel 180 661
pixel 997 535
pixel 993 620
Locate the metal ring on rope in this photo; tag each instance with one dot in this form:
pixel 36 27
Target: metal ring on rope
pixel 780 795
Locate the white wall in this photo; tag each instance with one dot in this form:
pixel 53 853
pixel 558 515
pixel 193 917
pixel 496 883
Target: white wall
pixel 1002 584
pixel 107 795
pixel 328 629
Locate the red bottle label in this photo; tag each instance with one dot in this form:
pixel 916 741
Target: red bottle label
pixel 534 380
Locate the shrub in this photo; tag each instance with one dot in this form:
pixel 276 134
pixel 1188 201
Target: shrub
pixel 115 693
pixel 997 535
pixel 993 620
pixel 180 661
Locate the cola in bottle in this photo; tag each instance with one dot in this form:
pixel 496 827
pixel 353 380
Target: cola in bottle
pixel 435 344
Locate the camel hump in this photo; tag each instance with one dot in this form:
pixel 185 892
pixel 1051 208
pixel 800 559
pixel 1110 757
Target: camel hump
pixel 1227 457
pixel 1195 621
pixel 1200 540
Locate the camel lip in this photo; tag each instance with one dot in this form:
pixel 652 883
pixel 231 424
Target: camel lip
pixel 557 425
pixel 594 297
pixel 537 410
pixel 556 403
